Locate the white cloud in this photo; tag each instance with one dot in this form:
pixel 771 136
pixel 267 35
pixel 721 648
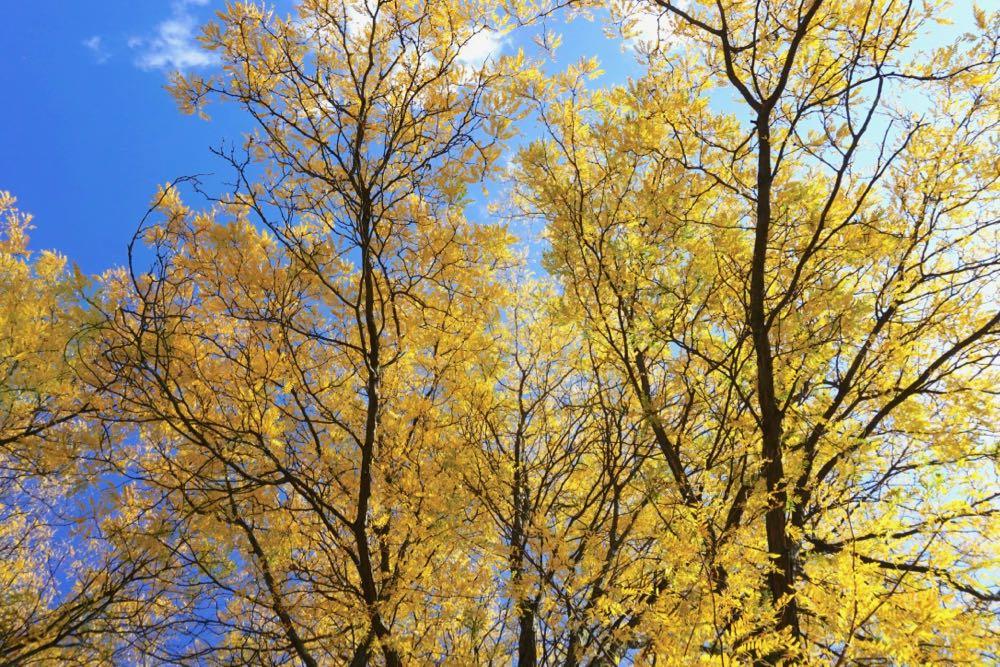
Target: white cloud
pixel 354 18
pixel 95 45
pixel 359 18
pixel 173 45
pixel 480 47
pixel 646 28
pixel 649 28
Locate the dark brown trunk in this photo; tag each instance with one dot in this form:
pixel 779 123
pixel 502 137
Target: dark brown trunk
pixel 781 577
pixel 366 570
pixel 527 651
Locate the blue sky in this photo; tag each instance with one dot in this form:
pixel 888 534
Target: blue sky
pixel 87 131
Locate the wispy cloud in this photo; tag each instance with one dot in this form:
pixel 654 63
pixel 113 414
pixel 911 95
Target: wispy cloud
pixel 483 45
pixel 647 28
pixel 95 45
pixel 173 44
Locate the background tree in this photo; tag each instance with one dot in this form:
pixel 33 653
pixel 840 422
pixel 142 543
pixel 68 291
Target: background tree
pixel 562 471
pixel 72 587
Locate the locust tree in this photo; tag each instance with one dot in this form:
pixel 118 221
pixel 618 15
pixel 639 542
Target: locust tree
pixel 784 233
pixel 293 354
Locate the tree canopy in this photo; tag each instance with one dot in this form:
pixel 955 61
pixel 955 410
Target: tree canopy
pixel 744 411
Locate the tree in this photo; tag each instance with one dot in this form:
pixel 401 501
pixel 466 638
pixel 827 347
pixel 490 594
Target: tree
pixel 294 354
pixel 748 416
pixel 568 481
pixel 806 304
pixel 70 583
